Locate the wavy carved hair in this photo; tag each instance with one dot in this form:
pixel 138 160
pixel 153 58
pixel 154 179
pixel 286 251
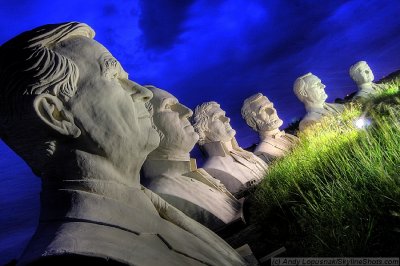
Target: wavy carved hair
pixel 28 67
pixel 247 114
pixel 200 119
pixel 299 87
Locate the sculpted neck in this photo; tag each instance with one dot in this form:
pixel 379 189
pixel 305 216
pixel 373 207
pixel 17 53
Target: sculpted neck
pixel 365 86
pixel 162 153
pixel 310 106
pixel 80 183
pixel 220 148
pixel 80 167
pixel 269 134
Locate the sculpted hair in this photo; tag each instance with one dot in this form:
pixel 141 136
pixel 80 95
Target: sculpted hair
pixel 29 67
pixel 354 70
pixel 247 113
pixel 299 87
pixel 200 119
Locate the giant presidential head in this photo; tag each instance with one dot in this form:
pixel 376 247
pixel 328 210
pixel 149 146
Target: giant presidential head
pixel 361 73
pixel 61 91
pixel 310 90
pixel 211 123
pixel 68 108
pixel 259 113
pixel 171 120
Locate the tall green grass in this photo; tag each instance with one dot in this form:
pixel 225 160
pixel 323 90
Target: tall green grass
pixel 338 192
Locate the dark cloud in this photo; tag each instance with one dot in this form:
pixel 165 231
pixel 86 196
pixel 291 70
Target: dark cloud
pixel 231 50
pixel 161 21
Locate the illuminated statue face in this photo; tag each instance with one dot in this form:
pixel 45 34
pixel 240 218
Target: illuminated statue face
pixel 172 120
pixel 362 74
pixel 219 128
pixel 108 106
pixel 315 90
pixel 265 114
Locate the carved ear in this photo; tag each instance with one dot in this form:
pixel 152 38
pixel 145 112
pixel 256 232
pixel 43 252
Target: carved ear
pixel 303 93
pixel 302 88
pixel 51 110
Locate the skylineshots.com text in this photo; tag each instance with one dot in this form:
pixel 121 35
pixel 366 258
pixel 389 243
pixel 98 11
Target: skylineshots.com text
pixel 362 261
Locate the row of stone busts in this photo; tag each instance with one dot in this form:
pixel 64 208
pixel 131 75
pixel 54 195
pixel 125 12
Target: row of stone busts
pixel 209 194
pixel 310 90
pixel 93 134
pixel 259 112
pixel 69 110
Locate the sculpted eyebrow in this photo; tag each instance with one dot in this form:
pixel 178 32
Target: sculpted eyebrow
pixel 109 63
pixel 168 101
pixel 219 113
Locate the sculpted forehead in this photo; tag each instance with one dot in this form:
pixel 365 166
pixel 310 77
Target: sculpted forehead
pixel 214 110
pixel 162 97
pixel 80 46
pixel 89 55
pixel 363 67
pixel 312 79
pixel 260 102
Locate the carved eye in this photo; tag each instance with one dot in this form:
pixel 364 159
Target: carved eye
pixel 167 106
pixel 110 68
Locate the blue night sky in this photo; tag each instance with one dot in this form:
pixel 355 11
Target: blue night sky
pixel 203 50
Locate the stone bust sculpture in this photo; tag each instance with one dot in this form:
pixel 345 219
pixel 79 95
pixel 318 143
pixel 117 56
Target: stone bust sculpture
pixel 362 75
pixel 310 91
pixel 69 110
pixel 237 169
pixel 169 171
pixel 259 113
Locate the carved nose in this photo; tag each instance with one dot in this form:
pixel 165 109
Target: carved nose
pixel 225 119
pixel 139 93
pixel 184 111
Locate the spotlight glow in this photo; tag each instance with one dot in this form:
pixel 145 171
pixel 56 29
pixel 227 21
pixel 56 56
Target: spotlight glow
pixel 362 122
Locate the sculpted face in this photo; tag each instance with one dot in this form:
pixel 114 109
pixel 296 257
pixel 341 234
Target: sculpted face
pixel 364 74
pixel 108 106
pixel 172 119
pixel 315 89
pixel 219 128
pixel 265 114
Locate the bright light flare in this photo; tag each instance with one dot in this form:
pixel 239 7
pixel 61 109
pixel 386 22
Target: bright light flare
pixel 362 122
